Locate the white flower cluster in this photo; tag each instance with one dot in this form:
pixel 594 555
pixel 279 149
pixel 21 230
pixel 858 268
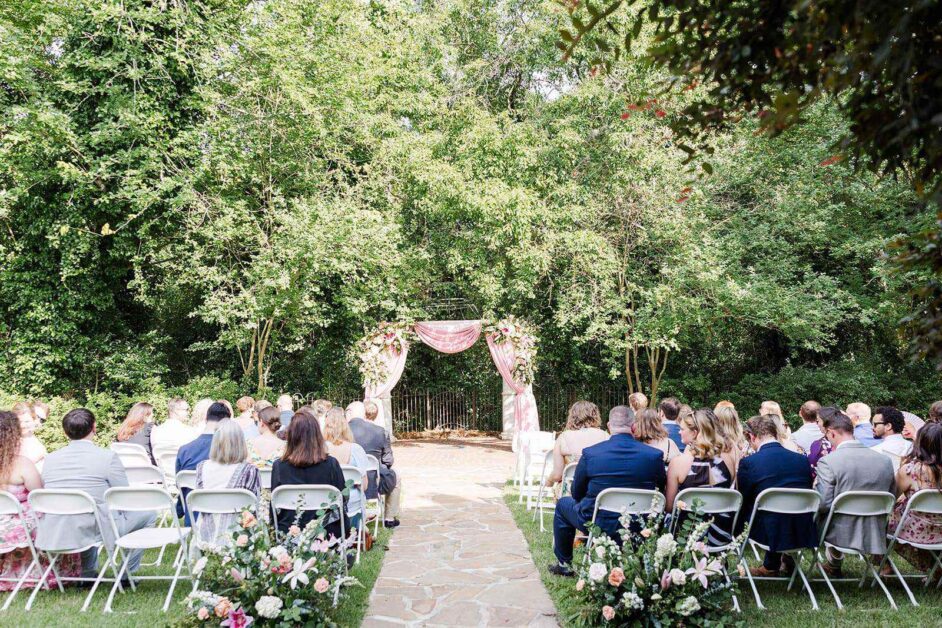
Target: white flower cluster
pixel 269 606
pixel 666 546
pixel 278 552
pixel 633 600
pixel 201 598
pixel 688 606
pixel 697 533
pixel 597 572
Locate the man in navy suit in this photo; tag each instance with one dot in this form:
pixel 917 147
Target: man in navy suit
pixel 773 466
pixel 619 462
pixel 669 409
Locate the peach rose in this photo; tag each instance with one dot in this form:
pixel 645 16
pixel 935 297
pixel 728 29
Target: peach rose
pixel 223 606
pixel 202 614
pixel 294 531
pixel 608 613
pixel 580 585
pixel 321 585
pixel 242 540
pixel 616 577
pixel 248 519
pixel 646 533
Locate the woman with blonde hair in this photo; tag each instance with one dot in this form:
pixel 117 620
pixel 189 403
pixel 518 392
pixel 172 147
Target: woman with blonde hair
pixel 137 427
pixel 703 464
pixel 198 416
pixel 342 446
pixel 583 429
pixel 730 431
pixel 774 410
pixel 649 430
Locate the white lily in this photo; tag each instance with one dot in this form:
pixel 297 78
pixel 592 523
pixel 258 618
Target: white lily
pixel 298 573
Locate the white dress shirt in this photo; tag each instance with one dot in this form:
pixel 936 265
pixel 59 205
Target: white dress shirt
pixel 894 446
pixel 805 435
pixel 171 434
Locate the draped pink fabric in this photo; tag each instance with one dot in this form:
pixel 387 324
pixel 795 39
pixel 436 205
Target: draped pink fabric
pixel 526 418
pixel 449 336
pixel 396 364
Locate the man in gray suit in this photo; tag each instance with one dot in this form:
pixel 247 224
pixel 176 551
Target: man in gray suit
pixel 851 466
pixel 375 441
pixel 84 466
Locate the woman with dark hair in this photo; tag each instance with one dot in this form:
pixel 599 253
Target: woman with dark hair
pixel 137 427
pixel 19 476
pixel 307 461
pixel 921 469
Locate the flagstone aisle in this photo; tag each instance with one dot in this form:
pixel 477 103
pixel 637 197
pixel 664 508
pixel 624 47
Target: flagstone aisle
pixel 458 559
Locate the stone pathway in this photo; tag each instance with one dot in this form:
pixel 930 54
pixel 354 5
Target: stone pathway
pixel 458 559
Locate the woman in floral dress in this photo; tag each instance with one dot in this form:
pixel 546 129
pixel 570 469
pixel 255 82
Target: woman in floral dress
pixel 921 469
pixel 18 476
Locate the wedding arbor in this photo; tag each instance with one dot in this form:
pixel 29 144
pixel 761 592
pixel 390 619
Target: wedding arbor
pixel 511 343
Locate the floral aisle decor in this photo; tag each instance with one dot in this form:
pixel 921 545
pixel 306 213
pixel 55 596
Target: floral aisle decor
pixel 522 338
pixel 256 579
pixel 655 578
pixel 373 348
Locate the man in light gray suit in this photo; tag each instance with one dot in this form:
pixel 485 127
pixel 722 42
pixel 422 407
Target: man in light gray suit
pixel 84 466
pixel 851 466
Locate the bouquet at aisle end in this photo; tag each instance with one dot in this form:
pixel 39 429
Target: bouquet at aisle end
pixel 655 578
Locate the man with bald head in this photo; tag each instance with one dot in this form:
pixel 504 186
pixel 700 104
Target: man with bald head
pixel 809 432
pixel 619 462
pixel 860 415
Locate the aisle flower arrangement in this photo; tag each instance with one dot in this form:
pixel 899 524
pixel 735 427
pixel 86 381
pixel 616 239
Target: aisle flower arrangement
pixel 256 579
pixel 522 338
pixel 373 349
pixel 654 578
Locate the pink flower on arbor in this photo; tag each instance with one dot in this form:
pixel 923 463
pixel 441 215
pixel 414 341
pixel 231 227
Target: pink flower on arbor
pixel 608 613
pixel 616 577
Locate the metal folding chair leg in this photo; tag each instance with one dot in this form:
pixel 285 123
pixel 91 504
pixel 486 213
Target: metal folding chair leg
pixel 34 564
pixel 43 578
pixel 752 583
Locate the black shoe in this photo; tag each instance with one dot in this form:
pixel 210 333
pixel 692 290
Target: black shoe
pixel 391 523
pixel 561 570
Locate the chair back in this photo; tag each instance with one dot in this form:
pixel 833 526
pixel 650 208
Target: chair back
pixel 569 474
pixel 633 501
pixel 132 448
pixel 139 476
pixel 372 463
pixel 10 505
pixel 536 441
pixel 138 499
pixel 710 501
pixel 220 501
pixel 788 501
pixel 306 497
pixel 264 475
pixel 926 501
pixel 186 479
pixel 859 504
pixel 352 473
pixel 67 502
pixel 166 460
pixel 134 458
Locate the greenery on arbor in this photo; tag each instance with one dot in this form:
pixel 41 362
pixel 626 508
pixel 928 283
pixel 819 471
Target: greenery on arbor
pixel 239 190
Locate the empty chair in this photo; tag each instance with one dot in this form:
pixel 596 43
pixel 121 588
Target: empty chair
pixel 146 499
pixel 534 447
pixel 133 458
pixel 138 476
pixel 545 495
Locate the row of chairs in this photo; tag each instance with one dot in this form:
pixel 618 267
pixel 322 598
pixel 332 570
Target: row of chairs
pixel 867 504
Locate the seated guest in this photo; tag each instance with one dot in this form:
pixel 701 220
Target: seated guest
pixel 246 418
pixel 859 414
pixel 637 402
pixel 921 469
pixel 176 431
pixel 286 405
pixel 809 431
pixel 198 420
pixel 197 450
pixel 851 467
pixel 888 424
pixel 822 446
pixel 306 461
pixel 342 446
pixel 19 476
pixel 935 413
pixel 704 463
pixel 582 430
pixel 137 426
pixel 30 446
pixel 649 430
pixel 619 462
pixel 375 442
pixel 723 404
pixel 84 466
pixel 265 448
pixel 225 468
pixel 771 408
pixel 669 409
pixel 773 466
pixel 729 431
pixel 912 426
pixel 320 408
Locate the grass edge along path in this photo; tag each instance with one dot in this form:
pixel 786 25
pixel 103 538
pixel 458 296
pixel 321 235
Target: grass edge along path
pixel 142 608
pixel 790 609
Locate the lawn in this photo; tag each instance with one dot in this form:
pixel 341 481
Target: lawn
pixel 143 607
pixel 783 608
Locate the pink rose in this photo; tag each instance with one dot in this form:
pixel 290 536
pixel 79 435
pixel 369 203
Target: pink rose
pixel 646 533
pixel 223 606
pixel 700 546
pixel 294 531
pixel 665 580
pixel 202 614
pixel 242 540
pixel 580 585
pixel 616 577
pixel 321 585
pixel 248 519
pixel 608 613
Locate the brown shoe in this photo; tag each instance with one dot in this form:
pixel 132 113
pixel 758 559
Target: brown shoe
pixel 833 571
pixel 762 572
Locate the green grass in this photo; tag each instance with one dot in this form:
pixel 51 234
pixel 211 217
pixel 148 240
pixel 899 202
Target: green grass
pixel 862 607
pixel 142 608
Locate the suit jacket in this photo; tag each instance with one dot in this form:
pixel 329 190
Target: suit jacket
pixel 188 457
pixel 84 466
pixel 773 466
pixel 375 441
pixel 619 462
pixel 854 467
pixel 673 433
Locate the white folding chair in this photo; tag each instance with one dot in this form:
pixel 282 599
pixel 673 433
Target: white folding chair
pixel 307 498
pixel 146 499
pixel 632 501
pixel 711 501
pixel 216 501
pixel 372 466
pixel 167 461
pixel 783 501
pixel 927 502
pixel 354 475
pixel 144 476
pixel 860 504
pixel 70 503
pixel 134 458
pixel 131 448
pixel 185 480
pixel 569 474
pixel 534 448
pixel 264 476
pixel 10 507
pixel 541 503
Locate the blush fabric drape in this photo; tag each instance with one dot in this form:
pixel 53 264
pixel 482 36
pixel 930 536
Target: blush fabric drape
pixel 526 418
pixel 449 336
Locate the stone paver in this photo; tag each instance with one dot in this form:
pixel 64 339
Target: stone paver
pixel 458 559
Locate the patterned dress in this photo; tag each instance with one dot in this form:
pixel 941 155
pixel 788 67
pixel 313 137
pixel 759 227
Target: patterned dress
pixel 712 473
pixel 919 528
pixel 15 558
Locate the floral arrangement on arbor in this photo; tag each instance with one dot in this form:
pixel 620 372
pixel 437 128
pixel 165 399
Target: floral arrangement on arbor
pixel 371 350
pixel 259 580
pixel 655 578
pixel 523 340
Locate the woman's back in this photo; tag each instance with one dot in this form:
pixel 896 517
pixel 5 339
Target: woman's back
pixel 572 442
pixel 265 449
